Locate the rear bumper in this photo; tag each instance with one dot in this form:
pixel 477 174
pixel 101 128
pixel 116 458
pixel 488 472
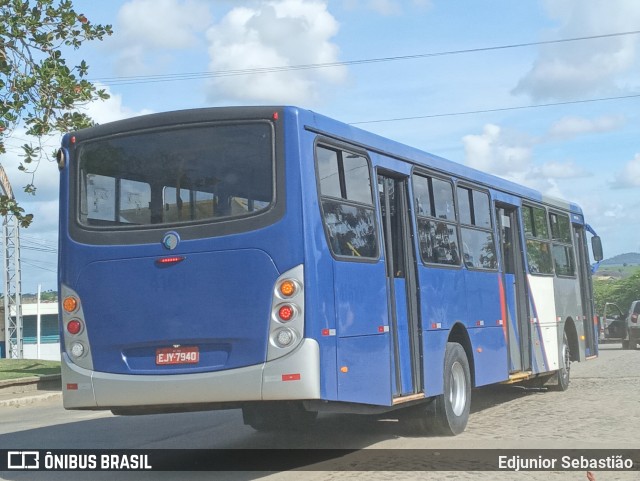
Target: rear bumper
pixel 292 377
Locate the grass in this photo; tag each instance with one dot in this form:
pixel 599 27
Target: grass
pixel 17 368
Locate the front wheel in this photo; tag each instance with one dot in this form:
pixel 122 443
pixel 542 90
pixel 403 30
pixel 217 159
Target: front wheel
pixel 451 409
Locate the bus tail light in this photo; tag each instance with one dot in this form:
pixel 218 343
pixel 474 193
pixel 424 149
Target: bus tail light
pixel 286 312
pixel 284 337
pixel 74 326
pixel 77 350
pixel 70 304
pixel 74 335
pixel 289 287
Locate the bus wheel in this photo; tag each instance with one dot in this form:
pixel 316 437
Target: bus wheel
pixel 451 409
pixel 565 365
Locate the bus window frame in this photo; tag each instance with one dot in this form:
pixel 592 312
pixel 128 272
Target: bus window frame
pixel 210 228
pixel 422 172
pixel 332 144
pixel 567 214
pixel 526 203
pixel 492 229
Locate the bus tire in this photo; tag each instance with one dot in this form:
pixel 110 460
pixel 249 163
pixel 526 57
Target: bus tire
pixel 450 410
pixel 564 371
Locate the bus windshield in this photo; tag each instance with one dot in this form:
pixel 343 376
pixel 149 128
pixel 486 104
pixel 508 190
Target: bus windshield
pixel 188 174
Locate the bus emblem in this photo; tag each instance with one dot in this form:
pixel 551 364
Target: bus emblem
pixel 171 240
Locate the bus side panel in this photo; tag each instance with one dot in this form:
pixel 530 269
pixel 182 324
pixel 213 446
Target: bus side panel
pixel 434 344
pixel 489 355
pixel 483 298
pixel 484 311
pixel 365 370
pixel 544 333
pixel 442 294
pixel 569 306
pixel 361 298
pixel 362 318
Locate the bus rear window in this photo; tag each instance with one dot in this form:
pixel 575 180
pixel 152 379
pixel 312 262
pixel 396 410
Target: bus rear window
pixel 174 176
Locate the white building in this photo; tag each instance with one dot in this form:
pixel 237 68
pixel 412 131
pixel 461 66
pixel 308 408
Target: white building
pixel 49 346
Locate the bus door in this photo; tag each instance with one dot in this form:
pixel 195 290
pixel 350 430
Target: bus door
pixel 406 376
pixel 582 259
pixel 515 304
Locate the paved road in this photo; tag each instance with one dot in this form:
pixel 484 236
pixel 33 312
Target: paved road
pixel 600 410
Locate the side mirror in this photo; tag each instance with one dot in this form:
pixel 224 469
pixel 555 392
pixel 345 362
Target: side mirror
pixel 596 248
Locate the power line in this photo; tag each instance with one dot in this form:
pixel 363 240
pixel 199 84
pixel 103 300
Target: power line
pixel 502 109
pixel 261 70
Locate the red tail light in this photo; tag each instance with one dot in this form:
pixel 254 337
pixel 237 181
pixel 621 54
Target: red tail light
pixel 74 326
pixel 167 261
pixel 286 312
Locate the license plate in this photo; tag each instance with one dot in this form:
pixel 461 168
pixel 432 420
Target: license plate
pixel 177 355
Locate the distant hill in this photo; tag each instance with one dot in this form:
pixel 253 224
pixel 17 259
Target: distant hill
pixel 630 259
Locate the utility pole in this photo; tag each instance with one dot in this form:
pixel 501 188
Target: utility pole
pixel 11 277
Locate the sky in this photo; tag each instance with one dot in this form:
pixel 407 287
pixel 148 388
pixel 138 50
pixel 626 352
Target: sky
pixel 486 84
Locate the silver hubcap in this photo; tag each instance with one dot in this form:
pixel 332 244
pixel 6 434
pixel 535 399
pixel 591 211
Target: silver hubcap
pixel 458 389
pixel 567 361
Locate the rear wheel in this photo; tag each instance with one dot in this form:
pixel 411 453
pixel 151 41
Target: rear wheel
pixel 448 413
pixel 565 365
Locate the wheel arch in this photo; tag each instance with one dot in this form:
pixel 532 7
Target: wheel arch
pixel 460 335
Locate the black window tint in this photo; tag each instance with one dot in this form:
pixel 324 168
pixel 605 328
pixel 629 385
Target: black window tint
pixel 527 216
pixel 560 228
pixel 563 260
pixel 346 202
pixel 123 178
pixel 443 199
pixel 356 178
pixel 351 229
pixel 438 242
pixel 539 257
pixel 478 249
pixel 464 205
pixel 481 210
pixel 421 191
pixel 328 172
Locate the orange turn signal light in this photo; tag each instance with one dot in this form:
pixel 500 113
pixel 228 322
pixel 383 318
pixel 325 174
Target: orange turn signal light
pixel 70 304
pixel 288 288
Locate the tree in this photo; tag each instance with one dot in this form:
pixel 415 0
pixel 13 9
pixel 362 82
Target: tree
pixel 38 91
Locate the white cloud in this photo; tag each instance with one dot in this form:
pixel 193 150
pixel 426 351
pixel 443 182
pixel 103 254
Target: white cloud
pixel 111 109
pixel 387 7
pixel 508 155
pixel 559 170
pixel 274 34
pixel 576 69
pixel 570 127
pixel 148 30
pixel 493 152
pixel 629 177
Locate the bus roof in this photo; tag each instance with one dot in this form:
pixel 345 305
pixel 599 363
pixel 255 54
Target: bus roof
pixel 327 126
pixel 374 142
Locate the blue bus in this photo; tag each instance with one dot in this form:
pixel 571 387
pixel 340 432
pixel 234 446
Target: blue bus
pixel 278 261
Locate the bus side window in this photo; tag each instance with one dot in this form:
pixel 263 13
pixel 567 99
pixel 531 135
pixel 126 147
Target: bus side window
pixel 435 212
pixel 346 200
